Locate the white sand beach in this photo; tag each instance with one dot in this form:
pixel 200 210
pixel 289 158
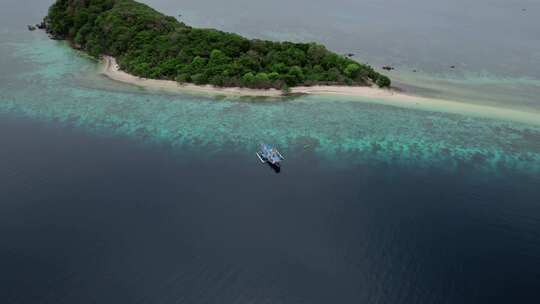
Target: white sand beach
pixel 372 94
pixel 112 70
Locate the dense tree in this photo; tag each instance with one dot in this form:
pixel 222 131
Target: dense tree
pixel 352 70
pixel 149 44
pixel 383 81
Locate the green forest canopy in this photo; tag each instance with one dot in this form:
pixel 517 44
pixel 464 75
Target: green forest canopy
pixel 149 44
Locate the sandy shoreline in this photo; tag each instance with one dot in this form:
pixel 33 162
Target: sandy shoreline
pixel 373 94
pixel 112 70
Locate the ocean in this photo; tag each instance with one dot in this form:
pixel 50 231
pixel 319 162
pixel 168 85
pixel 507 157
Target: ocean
pixel 114 194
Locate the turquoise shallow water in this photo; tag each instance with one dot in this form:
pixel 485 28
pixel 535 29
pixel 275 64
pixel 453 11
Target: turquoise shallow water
pixel 49 81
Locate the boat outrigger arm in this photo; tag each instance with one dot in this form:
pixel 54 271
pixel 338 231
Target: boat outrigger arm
pixel 260 158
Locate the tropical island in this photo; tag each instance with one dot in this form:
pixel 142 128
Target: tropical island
pixel 145 43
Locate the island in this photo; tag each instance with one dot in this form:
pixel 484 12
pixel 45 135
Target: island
pixel 145 43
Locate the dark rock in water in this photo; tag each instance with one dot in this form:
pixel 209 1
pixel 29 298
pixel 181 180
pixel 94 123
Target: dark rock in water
pixel 41 25
pixel 414 71
pixel 388 68
pixel 452 66
pixel 31 28
pixel 350 54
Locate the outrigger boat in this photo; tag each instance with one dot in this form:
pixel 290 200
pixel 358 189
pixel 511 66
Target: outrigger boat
pixel 270 155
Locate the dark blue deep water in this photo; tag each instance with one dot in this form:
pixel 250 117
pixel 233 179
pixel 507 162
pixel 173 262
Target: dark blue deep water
pixel 88 218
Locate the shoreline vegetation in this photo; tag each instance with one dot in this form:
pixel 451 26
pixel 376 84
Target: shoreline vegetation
pixel 152 45
pixel 112 70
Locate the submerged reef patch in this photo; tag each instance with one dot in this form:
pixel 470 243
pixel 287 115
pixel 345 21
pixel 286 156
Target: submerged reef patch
pixel 52 82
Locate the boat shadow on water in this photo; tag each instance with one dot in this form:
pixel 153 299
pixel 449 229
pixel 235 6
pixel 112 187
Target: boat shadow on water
pixel 276 168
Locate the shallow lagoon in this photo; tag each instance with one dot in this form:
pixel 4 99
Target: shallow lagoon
pixel 55 83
